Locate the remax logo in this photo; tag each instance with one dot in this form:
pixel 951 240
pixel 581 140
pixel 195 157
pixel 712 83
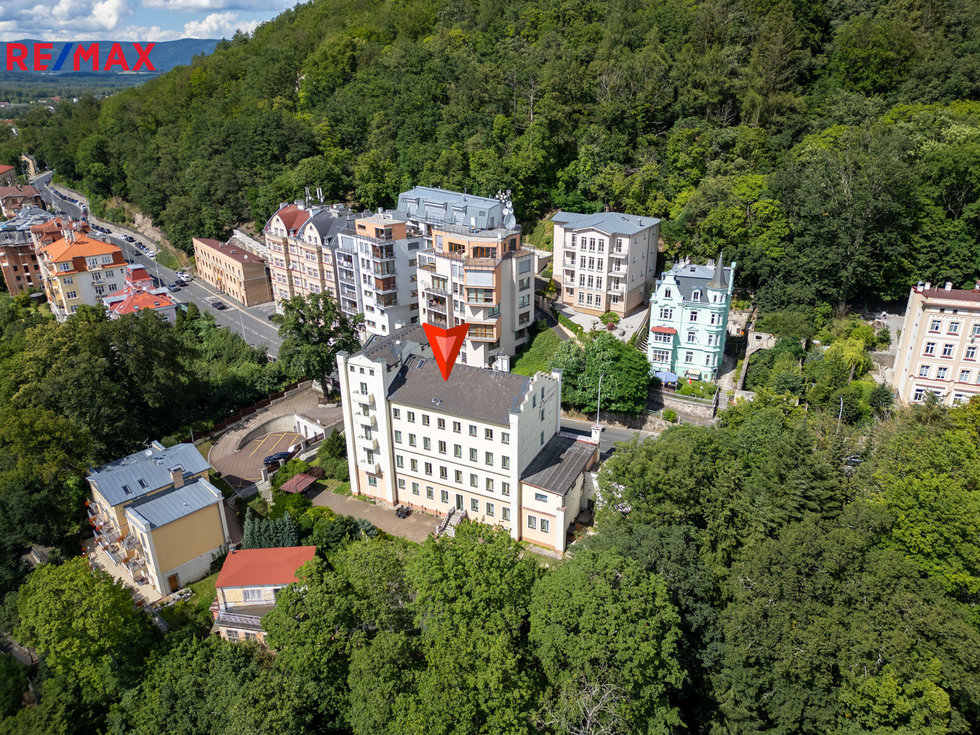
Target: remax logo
pixel 77 57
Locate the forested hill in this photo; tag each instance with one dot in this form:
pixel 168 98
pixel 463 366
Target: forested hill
pixel 831 146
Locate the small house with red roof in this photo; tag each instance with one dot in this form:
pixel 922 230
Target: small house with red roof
pixel 297 484
pixel 8 174
pixel 246 588
pixel 133 299
pixel 15 198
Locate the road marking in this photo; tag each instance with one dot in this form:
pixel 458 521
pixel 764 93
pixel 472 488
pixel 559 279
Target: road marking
pixel 260 444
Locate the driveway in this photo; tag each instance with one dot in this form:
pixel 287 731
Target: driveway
pixel 417 527
pixel 244 467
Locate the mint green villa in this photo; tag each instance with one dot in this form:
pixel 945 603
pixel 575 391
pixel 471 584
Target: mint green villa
pixel 689 319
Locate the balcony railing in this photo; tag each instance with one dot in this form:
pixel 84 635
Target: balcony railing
pixel 437 306
pixel 437 321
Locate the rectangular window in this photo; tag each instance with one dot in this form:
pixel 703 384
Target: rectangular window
pixel 688 357
pixel 964 376
pixel 398 437
pixel 666 314
pixel 472 430
pixel 443 473
pixel 693 316
pixel 474 481
pixel 399 461
pixel 411 417
pixel 475 505
pixel 505 462
pixel 934 325
pixel 426 443
pixel 440 423
pixel 505 489
pixel 975 331
pixel 541 497
pixel 490 509
pixel 930 348
pixel 923 371
pixel 504 437
pixel 918 394
pixel 444 496
pixel 457 427
pixel 430 492
pixel 488 434
pixel 473 454
pixel 415 488
pixel 252 594
pixel 971 353
pixel 954 327
pixel 692 337
pixel 457 450
pixel 428 468
pixel 401 483
pixel 947 350
pixel 941 373
pixel 505 513
pixel 489 484
pixel 442 447
pixel 545 525
pixel 458 476
pixel 411 440
pixel 661 356
pixel 532 522
pixel 488 458
pixel 425 419
pixel 372 481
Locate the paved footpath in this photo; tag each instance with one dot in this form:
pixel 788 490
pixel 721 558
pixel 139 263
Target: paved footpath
pixel 417 527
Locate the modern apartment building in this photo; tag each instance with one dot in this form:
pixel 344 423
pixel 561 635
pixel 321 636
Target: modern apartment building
pixel 474 271
pixel 605 261
pixel 484 445
pixel 301 239
pixel 376 261
pixel 18 251
pixel 246 588
pixel 232 270
pixel 689 319
pixel 157 517
pixel 79 269
pixel 937 351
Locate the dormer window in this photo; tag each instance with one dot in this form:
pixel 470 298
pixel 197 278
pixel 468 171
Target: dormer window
pixel 142 482
pixel 127 490
pixel 696 295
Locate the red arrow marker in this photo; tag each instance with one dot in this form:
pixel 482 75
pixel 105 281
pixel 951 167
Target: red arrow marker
pixel 445 345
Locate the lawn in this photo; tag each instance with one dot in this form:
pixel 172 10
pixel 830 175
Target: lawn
pixel 168 260
pixel 195 609
pixel 537 354
pixel 541 236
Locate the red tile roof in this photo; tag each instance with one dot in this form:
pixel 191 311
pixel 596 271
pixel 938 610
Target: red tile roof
pixel 260 567
pixel 137 299
pixel 235 252
pixel 5 169
pixel 664 330
pixel 297 483
pixel 954 294
pixel 82 247
pixel 18 191
pixel 293 216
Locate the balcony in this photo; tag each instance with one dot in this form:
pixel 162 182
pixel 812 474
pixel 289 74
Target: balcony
pixel 618 288
pixel 483 334
pixel 619 271
pixel 433 305
pixel 363 398
pixel 371 443
pixel 385 285
pixel 241 619
pixel 437 321
pixel 382 253
pixel 619 254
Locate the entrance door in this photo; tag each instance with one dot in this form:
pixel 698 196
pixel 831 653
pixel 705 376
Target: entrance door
pixel 174 584
pixel 459 501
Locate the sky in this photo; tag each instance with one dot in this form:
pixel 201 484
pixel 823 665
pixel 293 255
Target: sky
pixel 132 20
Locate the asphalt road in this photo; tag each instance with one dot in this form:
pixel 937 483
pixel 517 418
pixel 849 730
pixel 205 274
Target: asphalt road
pixel 610 435
pixel 252 322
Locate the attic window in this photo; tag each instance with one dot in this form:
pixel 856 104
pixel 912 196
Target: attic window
pixel 127 490
pixel 142 482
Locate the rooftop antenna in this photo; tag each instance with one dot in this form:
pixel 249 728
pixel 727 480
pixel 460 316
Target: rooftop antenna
pixel 319 194
pixel 306 199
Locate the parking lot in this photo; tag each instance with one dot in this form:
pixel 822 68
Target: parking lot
pixel 245 466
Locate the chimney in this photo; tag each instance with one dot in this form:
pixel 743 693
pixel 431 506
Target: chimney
pixel 948 286
pixel 177 476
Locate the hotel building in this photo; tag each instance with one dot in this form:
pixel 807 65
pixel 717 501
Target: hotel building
pixel 233 270
pixel 484 445
pixel 937 351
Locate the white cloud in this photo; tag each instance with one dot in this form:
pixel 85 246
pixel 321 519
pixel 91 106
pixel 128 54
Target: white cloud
pixel 65 21
pixel 218 25
pixel 198 6
pixel 109 13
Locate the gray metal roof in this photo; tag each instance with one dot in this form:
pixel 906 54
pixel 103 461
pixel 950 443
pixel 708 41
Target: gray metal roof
pixel 433 205
pixel 173 504
pixel 390 347
pixel 119 481
pixel 611 223
pixel 559 464
pixel 328 222
pixel 691 276
pixel 474 393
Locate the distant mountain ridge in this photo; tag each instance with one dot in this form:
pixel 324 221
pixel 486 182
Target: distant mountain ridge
pixel 165 55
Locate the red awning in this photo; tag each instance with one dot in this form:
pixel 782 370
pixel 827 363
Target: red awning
pixel 664 330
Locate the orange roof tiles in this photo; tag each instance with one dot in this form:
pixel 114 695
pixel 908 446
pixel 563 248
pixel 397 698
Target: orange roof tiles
pixel 260 567
pixel 137 300
pixel 82 247
pixel 5 169
pixel 293 216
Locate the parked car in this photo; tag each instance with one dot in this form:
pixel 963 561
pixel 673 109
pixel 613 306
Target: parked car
pixel 129 238
pixel 276 459
pixel 174 287
pixel 219 305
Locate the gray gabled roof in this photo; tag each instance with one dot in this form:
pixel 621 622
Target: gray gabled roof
pixel 610 223
pixel 474 393
pixel 171 505
pixel 390 347
pixel 328 222
pixel 119 481
pixel 559 464
pixel 691 276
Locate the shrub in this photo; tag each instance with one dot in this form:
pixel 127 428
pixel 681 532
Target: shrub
pixel 669 415
pixel 610 317
pixel 342 471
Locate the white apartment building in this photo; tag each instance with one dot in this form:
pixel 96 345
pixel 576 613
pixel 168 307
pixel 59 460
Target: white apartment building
pixel 484 445
pixel 473 271
pixel 605 261
pixel 376 259
pixel 79 269
pixel 937 351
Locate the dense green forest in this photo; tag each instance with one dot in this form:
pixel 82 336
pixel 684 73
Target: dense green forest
pixel 743 578
pixel 832 147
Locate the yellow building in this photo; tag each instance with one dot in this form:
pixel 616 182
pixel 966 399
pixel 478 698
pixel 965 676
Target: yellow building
pixel 233 270
pixel 938 349
pixel 246 588
pixel 157 517
pixel 79 269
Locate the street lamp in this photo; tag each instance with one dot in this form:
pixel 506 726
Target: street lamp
pixel 598 401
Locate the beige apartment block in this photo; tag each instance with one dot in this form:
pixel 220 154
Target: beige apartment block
pixel 606 261
pixel 233 270
pixel 938 348
pixel 79 269
pixel 484 445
